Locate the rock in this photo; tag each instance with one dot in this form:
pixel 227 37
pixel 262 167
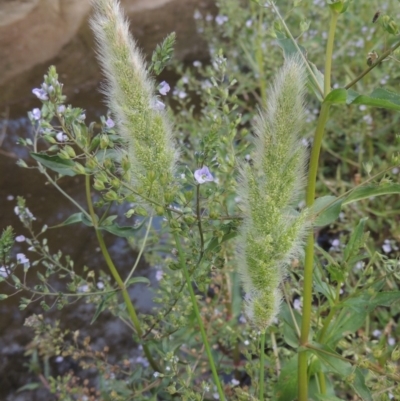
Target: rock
pixel 37 33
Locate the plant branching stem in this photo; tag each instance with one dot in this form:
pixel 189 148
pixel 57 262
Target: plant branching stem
pixel 310 196
pixel 197 313
pixel 377 62
pixel 114 272
pixel 309 259
pixel 262 366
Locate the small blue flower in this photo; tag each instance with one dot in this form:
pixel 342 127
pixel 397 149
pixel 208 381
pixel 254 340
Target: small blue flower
pixel 164 88
pixel 110 123
pixel 36 114
pixel 40 94
pixel 203 175
pixel 157 105
pixel 61 109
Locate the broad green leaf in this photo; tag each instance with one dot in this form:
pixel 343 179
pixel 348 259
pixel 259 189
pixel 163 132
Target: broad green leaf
pixel 102 306
pixel 336 96
pixel 364 192
pixel 327 210
pixel 378 98
pixel 135 280
pixel 3 296
pixel 330 360
pixel 286 387
pixel 55 163
pixel 360 386
pixel 356 241
pixel 347 322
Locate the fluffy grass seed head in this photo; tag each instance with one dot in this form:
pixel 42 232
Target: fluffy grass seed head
pixel 273 231
pixel 141 118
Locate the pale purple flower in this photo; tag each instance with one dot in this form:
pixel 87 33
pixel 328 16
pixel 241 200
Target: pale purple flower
pixel 40 94
pixel 386 247
pixel 110 123
pixel 221 19
pixel 3 272
pixel 377 333
pixel 197 63
pixel 159 275
pixel 157 105
pixel 36 114
pixel 297 304
pixel 61 109
pixel 235 382
pixel 83 288
pixel 203 175
pixel 82 117
pixel 61 137
pixel 20 238
pixel 164 88
pixel 197 15
pixel 21 258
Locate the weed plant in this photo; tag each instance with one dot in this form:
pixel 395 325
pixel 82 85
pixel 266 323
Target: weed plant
pixel 268 202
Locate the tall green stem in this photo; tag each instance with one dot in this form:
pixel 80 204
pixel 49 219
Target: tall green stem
pixel 329 52
pixel 197 313
pixel 310 195
pixel 262 366
pixel 114 272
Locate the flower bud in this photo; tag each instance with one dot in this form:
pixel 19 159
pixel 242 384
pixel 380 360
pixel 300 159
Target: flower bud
pixel 396 354
pixel 70 150
pixel 98 185
pixel 79 169
pixel 111 196
pixel 338 6
pixel 104 141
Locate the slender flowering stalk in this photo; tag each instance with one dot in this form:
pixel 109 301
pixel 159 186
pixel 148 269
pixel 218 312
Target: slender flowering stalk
pixel 138 114
pixel 272 232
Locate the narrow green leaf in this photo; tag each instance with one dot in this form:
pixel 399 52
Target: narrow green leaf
pixel 124 231
pixel 330 360
pixel 102 306
pixel 74 218
pixel 29 387
pixel 378 98
pixel 367 303
pixel 364 192
pixel 55 163
pixel 336 96
pixel 360 386
pixel 356 241
pixel 289 329
pixel 327 210
pixel 323 287
pixel 3 296
pixel 290 49
pixel 108 221
pixel 135 280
